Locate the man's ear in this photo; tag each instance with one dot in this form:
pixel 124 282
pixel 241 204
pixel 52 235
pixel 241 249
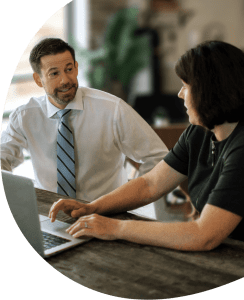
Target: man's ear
pixel 76 67
pixel 37 79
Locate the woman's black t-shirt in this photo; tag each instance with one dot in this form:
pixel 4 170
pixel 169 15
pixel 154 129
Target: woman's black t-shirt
pixel 215 170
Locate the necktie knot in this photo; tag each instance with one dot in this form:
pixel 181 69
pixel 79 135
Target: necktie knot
pixel 64 113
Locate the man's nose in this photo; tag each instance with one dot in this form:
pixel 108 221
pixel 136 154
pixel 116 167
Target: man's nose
pixel 64 79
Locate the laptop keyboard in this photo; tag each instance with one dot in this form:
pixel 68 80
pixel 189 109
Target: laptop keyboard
pixel 50 240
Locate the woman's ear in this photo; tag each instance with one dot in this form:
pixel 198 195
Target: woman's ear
pixel 37 79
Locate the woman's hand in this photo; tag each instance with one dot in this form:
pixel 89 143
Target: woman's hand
pixel 72 208
pixel 96 226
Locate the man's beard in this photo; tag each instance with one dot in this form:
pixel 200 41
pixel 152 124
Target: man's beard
pixel 66 98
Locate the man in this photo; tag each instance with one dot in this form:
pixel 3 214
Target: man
pixel 102 131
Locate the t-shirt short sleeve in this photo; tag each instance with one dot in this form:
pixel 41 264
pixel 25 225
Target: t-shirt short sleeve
pixel 178 157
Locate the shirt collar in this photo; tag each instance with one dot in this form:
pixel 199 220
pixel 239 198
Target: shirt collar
pixel 76 103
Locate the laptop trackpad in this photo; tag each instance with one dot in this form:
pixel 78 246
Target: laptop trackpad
pixel 57 225
pixel 43 218
pixel 58 228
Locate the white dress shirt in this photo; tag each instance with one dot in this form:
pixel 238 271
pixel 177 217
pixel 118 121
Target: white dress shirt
pixel 105 129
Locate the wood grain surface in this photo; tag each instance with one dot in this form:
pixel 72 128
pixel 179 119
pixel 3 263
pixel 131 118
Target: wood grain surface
pixel 129 270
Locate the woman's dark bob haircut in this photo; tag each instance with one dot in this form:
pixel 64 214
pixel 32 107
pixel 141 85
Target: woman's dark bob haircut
pixel 215 72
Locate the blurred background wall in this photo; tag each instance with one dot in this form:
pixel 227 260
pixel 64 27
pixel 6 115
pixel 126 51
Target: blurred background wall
pixel 170 27
pixel 129 48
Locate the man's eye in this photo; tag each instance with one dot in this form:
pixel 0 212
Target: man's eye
pixel 53 74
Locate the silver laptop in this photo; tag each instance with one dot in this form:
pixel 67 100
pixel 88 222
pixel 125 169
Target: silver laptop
pixel 45 237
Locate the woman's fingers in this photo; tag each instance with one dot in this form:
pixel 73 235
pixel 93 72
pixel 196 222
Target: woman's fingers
pixel 65 205
pixel 55 208
pixel 78 223
pixel 96 226
pixel 70 207
pixel 76 213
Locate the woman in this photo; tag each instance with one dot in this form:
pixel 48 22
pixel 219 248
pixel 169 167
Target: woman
pixel 209 153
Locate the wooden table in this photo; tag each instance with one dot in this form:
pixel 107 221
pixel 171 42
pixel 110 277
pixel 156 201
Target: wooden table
pixel 129 270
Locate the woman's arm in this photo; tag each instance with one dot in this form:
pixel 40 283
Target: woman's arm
pixel 138 192
pixel 206 233
pixel 141 191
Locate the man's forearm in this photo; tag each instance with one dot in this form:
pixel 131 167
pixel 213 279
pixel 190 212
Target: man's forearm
pixel 134 194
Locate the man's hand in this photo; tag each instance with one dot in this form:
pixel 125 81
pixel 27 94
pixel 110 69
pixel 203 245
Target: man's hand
pixel 72 208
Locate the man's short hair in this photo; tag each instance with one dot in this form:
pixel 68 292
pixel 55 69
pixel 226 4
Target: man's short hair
pixel 48 46
pixel 215 72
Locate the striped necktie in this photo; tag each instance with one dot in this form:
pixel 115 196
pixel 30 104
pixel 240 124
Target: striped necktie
pixel 65 156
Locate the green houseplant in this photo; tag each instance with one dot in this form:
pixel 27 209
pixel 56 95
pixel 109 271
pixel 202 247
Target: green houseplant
pixel 122 55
